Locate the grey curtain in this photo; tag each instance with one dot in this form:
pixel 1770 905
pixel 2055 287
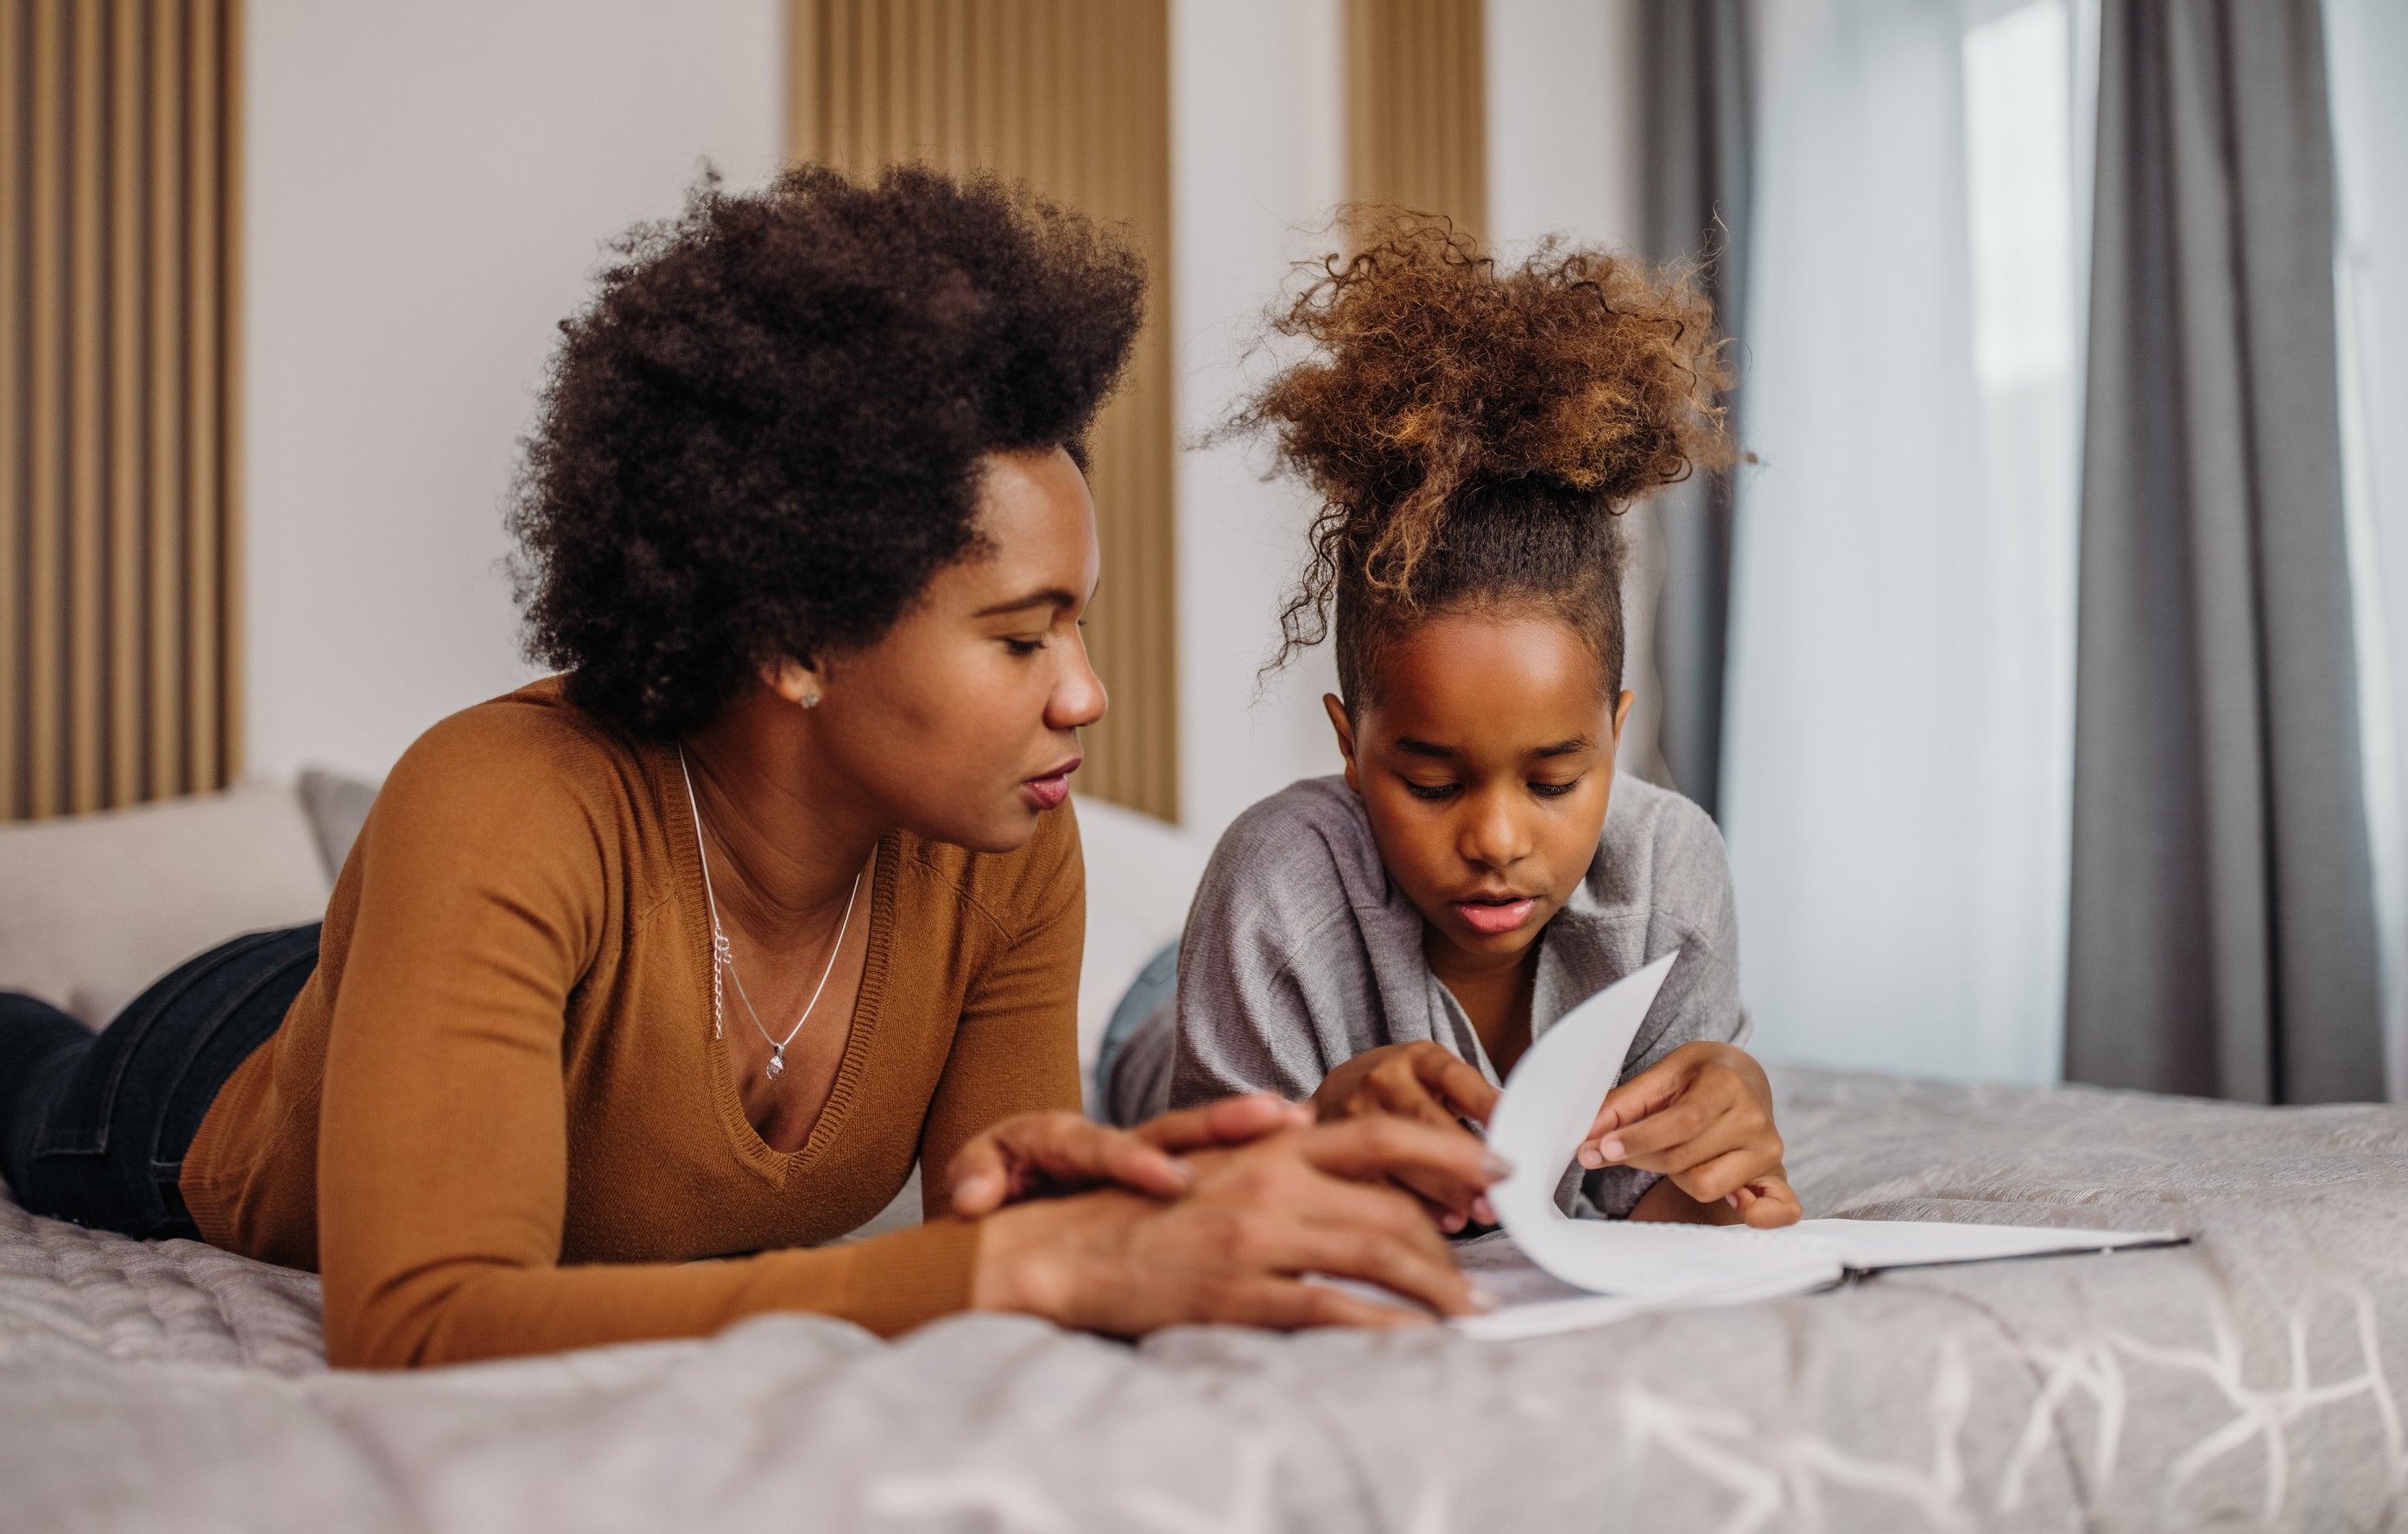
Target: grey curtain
pixel 2223 916
pixel 1699 147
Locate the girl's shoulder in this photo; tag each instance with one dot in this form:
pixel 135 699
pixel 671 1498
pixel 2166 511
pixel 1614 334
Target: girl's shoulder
pixel 1661 852
pixel 1296 858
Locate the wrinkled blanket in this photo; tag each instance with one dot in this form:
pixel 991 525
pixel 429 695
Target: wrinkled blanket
pixel 2244 1381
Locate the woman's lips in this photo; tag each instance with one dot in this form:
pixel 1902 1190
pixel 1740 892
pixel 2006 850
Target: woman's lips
pixel 1493 918
pixel 1048 791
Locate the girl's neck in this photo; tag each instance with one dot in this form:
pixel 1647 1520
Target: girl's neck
pixel 785 841
pixel 1493 991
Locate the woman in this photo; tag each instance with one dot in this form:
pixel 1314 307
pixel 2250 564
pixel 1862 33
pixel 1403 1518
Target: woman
pixel 693 950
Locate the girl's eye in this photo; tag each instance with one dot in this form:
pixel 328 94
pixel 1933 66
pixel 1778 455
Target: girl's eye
pixel 1430 791
pixel 1554 791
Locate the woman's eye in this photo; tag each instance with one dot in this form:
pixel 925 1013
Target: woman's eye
pixel 1554 791
pixel 1024 646
pixel 1430 791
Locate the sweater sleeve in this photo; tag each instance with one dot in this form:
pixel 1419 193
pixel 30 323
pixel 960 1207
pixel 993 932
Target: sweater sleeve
pixel 1016 1047
pixel 442 1151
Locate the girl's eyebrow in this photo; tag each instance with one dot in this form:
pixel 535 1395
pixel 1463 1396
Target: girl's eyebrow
pixel 1411 747
pixel 1572 747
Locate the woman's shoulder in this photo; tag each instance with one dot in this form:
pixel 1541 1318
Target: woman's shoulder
pixel 525 763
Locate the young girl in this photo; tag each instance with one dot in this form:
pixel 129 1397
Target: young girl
pixel 1390 942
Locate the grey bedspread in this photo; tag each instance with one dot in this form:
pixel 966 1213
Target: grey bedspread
pixel 2244 1381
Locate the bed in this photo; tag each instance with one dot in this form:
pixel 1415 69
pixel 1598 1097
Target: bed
pixel 2244 1380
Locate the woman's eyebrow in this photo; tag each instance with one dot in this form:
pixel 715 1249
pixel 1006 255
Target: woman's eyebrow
pixel 1051 596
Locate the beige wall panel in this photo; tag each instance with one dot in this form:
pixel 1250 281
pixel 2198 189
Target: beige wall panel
pixel 1415 108
pixel 116 514
pixel 1073 97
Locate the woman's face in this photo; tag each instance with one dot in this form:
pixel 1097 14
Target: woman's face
pixel 963 722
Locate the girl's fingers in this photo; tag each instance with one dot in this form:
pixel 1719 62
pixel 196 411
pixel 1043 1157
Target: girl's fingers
pixel 1714 1179
pixel 1776 1204
pixel 1231 1121
pixel 1464 1091
pixel 1634 1143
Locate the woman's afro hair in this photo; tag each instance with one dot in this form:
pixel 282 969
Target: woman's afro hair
pixel 765 436
pixel 1470 428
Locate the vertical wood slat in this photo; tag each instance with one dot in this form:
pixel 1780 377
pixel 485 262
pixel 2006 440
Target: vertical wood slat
pixel 1071 96
pixel 126 639
pixel 45 402
pixel 117 540
pixel 15 220
pixel 1415 108
pixel 87 194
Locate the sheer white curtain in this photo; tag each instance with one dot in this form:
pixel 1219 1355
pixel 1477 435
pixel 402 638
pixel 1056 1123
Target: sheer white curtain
pixel 1898 757
pixel 2366 42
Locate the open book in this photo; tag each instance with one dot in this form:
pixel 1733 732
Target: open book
pixel 1555 1273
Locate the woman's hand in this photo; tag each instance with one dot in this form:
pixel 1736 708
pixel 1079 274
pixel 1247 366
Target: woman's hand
pixel 1703 1117
pixel 1422 1083
pixel 1256 1219
pixel 1037 1155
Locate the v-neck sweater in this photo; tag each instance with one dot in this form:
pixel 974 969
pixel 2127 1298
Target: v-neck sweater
pixel 498 1120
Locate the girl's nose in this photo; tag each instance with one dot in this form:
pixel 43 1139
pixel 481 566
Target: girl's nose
pixel 1494 836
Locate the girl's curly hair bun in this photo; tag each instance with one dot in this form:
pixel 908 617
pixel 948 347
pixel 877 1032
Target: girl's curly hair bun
pixel 1435 373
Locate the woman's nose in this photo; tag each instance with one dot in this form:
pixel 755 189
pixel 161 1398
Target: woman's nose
pixel 1078 700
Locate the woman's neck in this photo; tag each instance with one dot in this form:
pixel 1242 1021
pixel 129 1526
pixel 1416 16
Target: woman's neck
pixel 785 842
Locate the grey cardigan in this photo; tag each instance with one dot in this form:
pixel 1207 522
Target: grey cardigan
pixel 1299 955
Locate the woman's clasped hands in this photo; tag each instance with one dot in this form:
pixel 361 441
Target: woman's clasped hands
pixel 1218 1213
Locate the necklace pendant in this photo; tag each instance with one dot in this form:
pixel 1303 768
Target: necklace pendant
pixel 777 1061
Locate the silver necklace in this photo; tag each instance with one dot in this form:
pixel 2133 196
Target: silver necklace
pixel 723 957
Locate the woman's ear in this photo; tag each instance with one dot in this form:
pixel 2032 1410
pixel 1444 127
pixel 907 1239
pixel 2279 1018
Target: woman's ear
pixel 1345 728
pixel 799 682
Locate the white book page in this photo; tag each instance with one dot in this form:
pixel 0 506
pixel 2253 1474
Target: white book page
pixel 1547 1107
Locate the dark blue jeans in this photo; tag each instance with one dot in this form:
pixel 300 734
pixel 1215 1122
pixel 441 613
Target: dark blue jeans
pixel 93 1125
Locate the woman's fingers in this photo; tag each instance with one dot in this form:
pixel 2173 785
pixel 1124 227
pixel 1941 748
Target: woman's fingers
pixel 1449 1166
pixel 1230 1121
pixel 1060 1150
pixel 1286 1304
pixel 1426 1279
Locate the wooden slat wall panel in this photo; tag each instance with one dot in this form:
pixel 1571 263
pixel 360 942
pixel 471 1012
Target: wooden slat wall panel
pixel 1072 97
pixel 1417 108
pixel 117 607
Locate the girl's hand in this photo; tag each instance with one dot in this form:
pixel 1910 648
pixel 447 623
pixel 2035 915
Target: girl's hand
pixel 1040 1155
pixel 1702 1116
pixel 1256 1219
pixel 1425 1083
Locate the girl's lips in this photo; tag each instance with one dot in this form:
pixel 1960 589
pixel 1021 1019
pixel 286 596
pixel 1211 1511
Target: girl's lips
pixel 1492 920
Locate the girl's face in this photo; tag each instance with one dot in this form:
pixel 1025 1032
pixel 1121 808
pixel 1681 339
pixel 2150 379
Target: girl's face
pixel 1484 767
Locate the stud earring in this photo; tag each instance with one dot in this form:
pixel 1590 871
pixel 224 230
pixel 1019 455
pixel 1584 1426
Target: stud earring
pixel 810 700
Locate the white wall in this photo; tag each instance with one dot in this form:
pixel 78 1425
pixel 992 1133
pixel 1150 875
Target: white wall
pixel 1257 162
pixel 427 189
pixel 1565 141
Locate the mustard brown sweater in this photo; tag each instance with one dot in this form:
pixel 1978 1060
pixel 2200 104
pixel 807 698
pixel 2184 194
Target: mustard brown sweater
pixel 496 1119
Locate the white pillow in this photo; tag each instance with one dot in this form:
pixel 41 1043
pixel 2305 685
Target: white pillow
pixel 1141 874
pixel 95 908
